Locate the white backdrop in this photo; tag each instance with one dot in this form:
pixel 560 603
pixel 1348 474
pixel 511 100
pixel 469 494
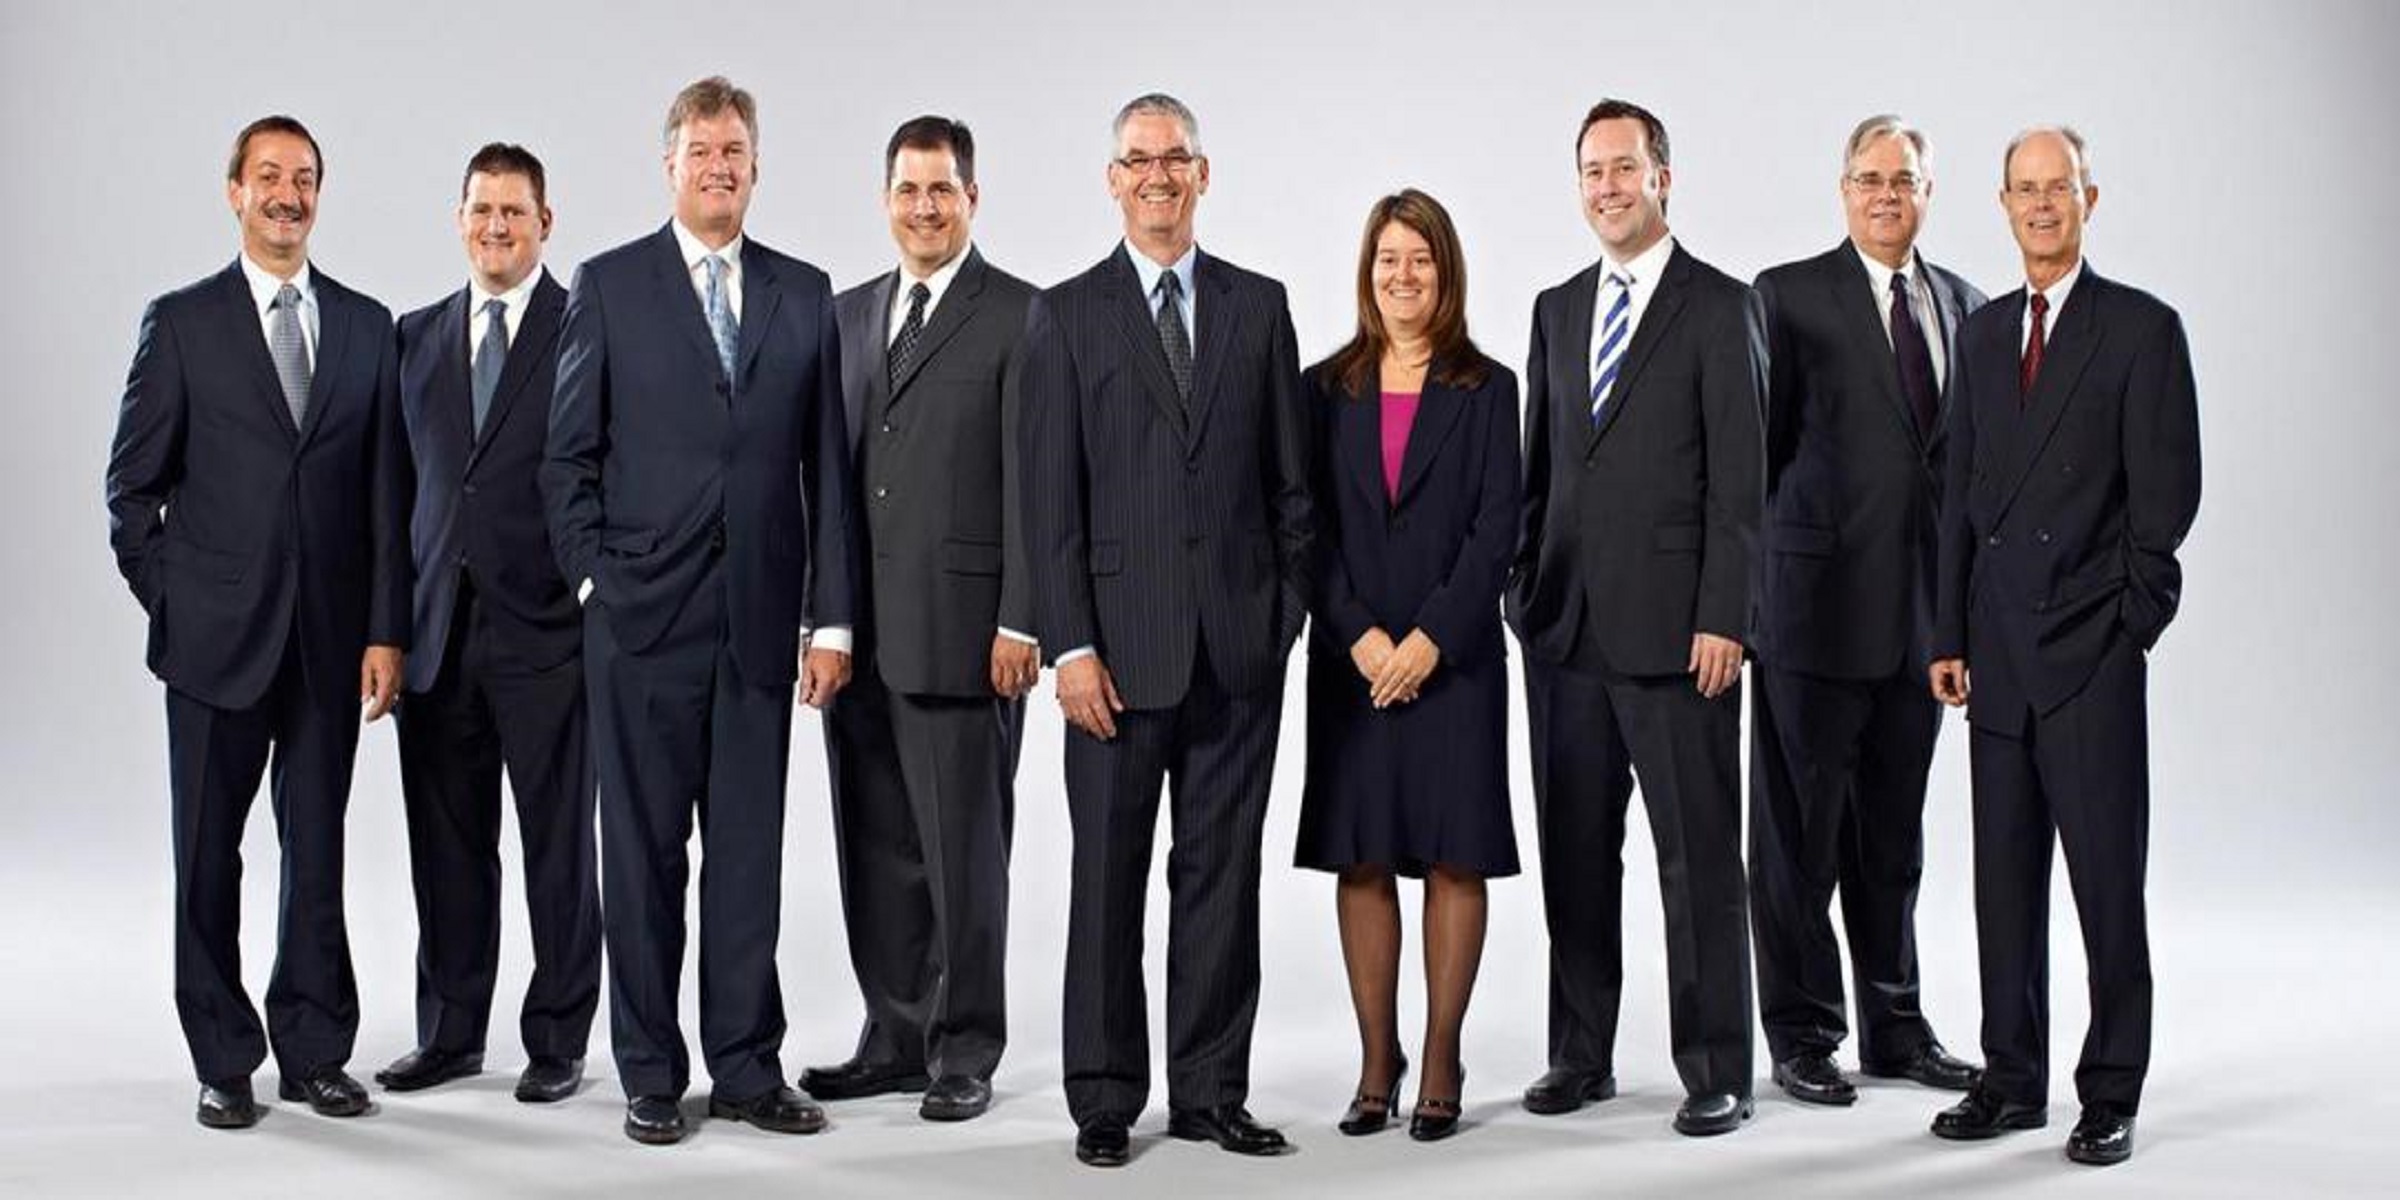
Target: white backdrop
pixel 2244 178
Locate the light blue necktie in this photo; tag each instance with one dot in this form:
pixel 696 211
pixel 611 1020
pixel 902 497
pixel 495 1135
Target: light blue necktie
pixel 1615 332
pixel 290 349
pixel 489 357
pixel 720 316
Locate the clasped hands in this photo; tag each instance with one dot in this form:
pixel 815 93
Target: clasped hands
pixel 1395 672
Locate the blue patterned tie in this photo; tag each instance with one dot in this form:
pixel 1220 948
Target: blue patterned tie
pixel 290 348
pixel 720 315
pixel 1615 332
pixel 489 357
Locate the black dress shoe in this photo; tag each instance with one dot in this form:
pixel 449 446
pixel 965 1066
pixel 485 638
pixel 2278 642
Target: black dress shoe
pixel 1711 1113
pixel 1565 1089
pixel 423 1068
pixel 1983 1114
pixel 655 1120
pixel 548 1080
pixel 1369 1114
pixel 1931 1066
pixel 1103 1143
pixel 1811 1078
pixel 1434 1119
pixel 330 1091
pixel 228 1105
pixel 779 1109
pixel 2102 1138
pixel 1228 1125
pixel 955 1098
pixel 859 1078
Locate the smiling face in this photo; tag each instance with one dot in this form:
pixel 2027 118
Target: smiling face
pixel 1405 279
pixel 2048 201
pixel 713 166
pixel 932 210
pixel 1160 191
pixel 275 199
pixel 1624 190
pixel 503 227
pixel 1884 194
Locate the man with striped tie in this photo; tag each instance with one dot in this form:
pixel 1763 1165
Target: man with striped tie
pixel 1643 482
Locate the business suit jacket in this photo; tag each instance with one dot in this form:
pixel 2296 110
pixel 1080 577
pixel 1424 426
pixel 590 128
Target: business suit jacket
pixel 657 464
pixel 238 530
pixel 478 506
pixel 1853 486
pixel 1149 522
pixel 1641 532
pixel 2065 508
pixel 938 457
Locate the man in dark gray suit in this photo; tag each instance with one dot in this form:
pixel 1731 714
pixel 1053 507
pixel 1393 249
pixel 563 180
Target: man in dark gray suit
pixel 1169 523
pixel 923 744
pixel 1859 340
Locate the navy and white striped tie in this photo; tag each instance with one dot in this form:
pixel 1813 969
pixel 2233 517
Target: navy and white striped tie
pixel 1615 331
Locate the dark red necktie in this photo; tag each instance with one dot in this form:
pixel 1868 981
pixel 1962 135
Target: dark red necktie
pixel 2032 364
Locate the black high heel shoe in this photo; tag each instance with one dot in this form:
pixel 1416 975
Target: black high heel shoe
pixel 1437 1118
pixel 1369 1114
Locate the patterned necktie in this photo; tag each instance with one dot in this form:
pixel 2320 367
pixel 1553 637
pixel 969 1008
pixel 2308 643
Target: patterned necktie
pixel 489 357
pixel 1173 336
pixel 904 346
pixel 290 348
pixel 2031 366
pixel 1615 331
pixel 721 325
pixel 1916 359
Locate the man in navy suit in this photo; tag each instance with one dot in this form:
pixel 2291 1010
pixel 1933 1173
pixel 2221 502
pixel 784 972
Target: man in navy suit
pixel 1859 339
pixel 699 498
pixel 258 507
pixel 1167 504
pixel 499 681
pixel 2074 474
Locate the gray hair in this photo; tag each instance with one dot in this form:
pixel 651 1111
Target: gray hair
pixel 1159 104
pixel 2074 140
pixel 1883 125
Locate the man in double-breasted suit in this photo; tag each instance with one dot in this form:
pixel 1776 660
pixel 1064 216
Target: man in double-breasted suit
pixel 1859 339
pixel 2073 476
pixel 923 743
pixel 1169 519
pixel 498 683
pixel 698 490
pixel 1632 594
pixel 258 507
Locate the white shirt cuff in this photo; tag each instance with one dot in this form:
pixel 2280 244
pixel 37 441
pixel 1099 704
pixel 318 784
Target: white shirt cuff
pixel 1015 636
pixel 583 591
pixel 1084 651
pixel 833 637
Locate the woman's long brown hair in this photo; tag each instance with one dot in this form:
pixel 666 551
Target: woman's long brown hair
pixel 1456 361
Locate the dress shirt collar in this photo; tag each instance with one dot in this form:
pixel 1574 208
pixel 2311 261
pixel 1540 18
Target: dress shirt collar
pixel 264 284
pixel 1645 268
pixel 936 286
pixel 515 298
pixel 2056 293
pixel 1148 271
pixel 1880 276
pixel 694 250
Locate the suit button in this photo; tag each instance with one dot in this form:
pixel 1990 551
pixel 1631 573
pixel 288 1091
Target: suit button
pixel 1993 540
pixel 882 493
pixel 470 489
pixel 887 427
pixel 2066 469
pixel 2042 536
pixel 716 538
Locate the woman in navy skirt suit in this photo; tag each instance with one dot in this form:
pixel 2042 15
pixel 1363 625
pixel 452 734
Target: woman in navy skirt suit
pixel 1416 488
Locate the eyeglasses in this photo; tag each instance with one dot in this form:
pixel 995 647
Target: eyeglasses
pixel 1875 184
pixel 2056 189
pixel 1177 162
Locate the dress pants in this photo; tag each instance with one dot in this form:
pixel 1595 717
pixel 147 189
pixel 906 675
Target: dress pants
pixel 1837 798
pixel 924 799
pixel 484 712
pixel 302 741
pixel 1592 734
pixel 1216 752
pixel 677 732
pixel 2083 771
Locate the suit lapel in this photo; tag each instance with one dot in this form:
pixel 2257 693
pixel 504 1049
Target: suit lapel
pixel 1210 340
pixel 1952 309
pixel 762 292
pixel 957 306
pixel 1139 328
pixel 532 345
pixel 1438 410
pixel 1358 439
pixel 1657 321
pixel 677 298
pixel 452 405
pixel 242 313
pixel 1570 353
pixel 1854 298
pixel 869 349
pixel 2068 350
pixel 334 335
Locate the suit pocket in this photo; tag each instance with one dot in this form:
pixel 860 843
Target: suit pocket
pixel 203 564
pixel 1108 558
pixel 1676 539
pixel 628 543
pixel 1804 539
pixel 971 558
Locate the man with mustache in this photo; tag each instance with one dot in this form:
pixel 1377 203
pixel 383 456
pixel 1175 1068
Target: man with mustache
pixel 698 491
pixel 1169 520
pixel 499 680
pixel 1859 341
pixel 258 507
pixel 923 744
pixel 2074 474
pixel 1642 494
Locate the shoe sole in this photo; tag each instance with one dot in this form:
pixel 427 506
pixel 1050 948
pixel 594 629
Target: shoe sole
pixel 1187 1133
pixel 654 1137
pixel 1939 1085
pixel 386 1082
pixel 526 1095
pixel 1590 1093
pixel 728 1112
pixel 1801 1092
pixel 297 1096
pixel 226 1121
pixel 1102 1158
pixel 2091 1159
pixel 1985 1133
pixel 1713 1128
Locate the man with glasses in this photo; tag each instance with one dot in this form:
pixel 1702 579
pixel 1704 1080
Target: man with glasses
pixel 1169 517
pixel 1860 339
pixel 2073 476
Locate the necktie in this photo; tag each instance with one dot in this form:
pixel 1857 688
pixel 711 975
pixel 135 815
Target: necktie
pixel 1615 331
pixel 489 357
pixel 1916 360
pixel 290 348
pixel 2031 366
pixel 720 315
pixel 1173 336
pixel 904 347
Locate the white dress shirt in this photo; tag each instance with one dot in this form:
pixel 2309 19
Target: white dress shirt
pixel 1643 270
pixel 695 257
pixel 1920 306
pixel 937 285
pixel 512 315
pixel 263 286
pixel 2056 293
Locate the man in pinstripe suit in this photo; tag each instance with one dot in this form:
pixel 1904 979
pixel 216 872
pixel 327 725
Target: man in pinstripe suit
pixel 1169 526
